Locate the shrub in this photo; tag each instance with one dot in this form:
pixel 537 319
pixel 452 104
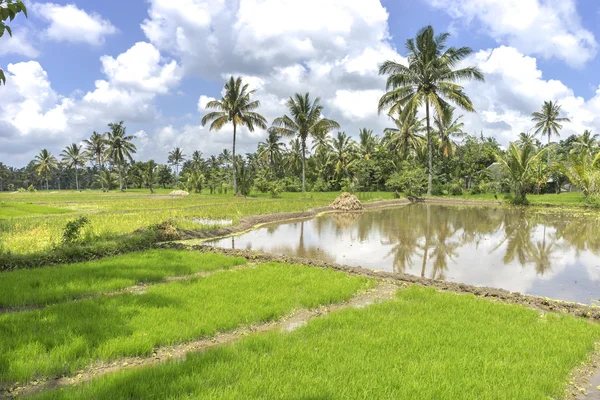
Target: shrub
pixel 455 189
pixel 321 186
pixel 31 189
pixel 411 181
pixel 11 187
pixel 21 190
pixel 72 231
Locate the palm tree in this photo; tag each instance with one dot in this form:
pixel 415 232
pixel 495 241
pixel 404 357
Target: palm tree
pixel 149 174
pixel 306 119
pixel 95 149
pixel 197 160
pixel 548 121
pixel 430 78
pixel 367 143
pixel 405 136
pixel 519 162
pixel 271 149
pixel 343 146
pixel 120 147
pixel 44 163
pixel 73 157
pixel 448 127
pixel 235 107
pixel 176 157
pixel 586 143
pixel 526 139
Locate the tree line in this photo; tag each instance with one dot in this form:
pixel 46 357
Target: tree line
pixel 424 150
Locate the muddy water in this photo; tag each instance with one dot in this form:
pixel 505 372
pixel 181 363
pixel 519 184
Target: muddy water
pixel 546 254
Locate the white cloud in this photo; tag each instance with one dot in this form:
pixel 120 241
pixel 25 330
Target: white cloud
pixel 203 101
pixel 19 43
pixel 69 23
pixel 548 28
pixel 33 113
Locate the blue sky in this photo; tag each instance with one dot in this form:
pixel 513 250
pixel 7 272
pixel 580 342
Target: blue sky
pixel 75 66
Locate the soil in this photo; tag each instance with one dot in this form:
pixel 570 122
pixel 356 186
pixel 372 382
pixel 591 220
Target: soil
pixel 382 292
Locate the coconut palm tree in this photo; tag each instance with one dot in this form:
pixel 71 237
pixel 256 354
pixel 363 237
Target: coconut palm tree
pixel 430 79
pixel 120 148
pixel 95 149
pixel 519 163
pixel 526 138
pixel 197 160
pixel 45 163
pixel 306 120
pixel 586 143
pixel 271 150
pixel 176 157
pixel 73 157
pixel 367 143
pixel 548 121
pixel 149 174
pixel 235 107
pixel 343 148
pixel 321 141
pixel 448 127
pixel 405 136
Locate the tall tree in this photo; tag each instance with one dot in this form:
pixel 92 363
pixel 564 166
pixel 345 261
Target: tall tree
pixel 519 163
pixel 73 157
pixel 586 143
pixel 448 127
pixel 95 149
pixel 236 107
pixel 176 157
pixel 120 148
pixel 343 147
pixel 430 78
pixel 406 135
pixel 8 11
pixel 548 121
pixel 305 119
pixel 45 163
pixel 271 150
pixel 367 142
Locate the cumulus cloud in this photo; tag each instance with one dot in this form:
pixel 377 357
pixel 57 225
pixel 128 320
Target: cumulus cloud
pixel 19 43
pixel 68 23
pixel 548 28
pixel 33 112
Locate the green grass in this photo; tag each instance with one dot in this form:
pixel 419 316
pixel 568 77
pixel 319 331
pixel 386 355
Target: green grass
pixel 8 210
pixel 563 199
pixel 424 345
pixel 64 282
pixel 65 337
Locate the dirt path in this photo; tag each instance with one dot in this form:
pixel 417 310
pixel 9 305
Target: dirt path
pixel 136 289
pixel 382 292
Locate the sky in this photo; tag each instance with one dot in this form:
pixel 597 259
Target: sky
pixel 74 67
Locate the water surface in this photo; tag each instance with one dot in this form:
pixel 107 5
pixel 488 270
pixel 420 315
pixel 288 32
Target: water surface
pixel 549 254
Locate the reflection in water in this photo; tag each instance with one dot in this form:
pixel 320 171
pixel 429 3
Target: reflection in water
pixel 547 254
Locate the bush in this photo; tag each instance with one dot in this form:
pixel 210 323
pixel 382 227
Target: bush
pixel 321 186
pixel 410 180
pixel 11 187
pixel 291 184
pixel 455 189
pixel 21 190
pixel 72 231
pixel 31 189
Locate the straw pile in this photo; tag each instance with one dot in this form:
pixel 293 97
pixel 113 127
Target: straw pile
pixel 347 202
pixel 178 193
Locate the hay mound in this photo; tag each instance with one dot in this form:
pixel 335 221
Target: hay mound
pixel 179 193
pixel 347 202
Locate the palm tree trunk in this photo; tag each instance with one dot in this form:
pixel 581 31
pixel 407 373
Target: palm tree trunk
pixel 120 179
pixel 47 187
pixel 76 179
pixel 548 162
pixel 235 189
pixel 303 167
pixel 429 150
pixel 100 170
pixel 426 243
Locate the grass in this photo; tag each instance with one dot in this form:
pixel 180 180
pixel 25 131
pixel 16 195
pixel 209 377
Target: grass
pixel 8 210
pixel 64 282
pixel 563 199
pixel 423 345
pixel 65 337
